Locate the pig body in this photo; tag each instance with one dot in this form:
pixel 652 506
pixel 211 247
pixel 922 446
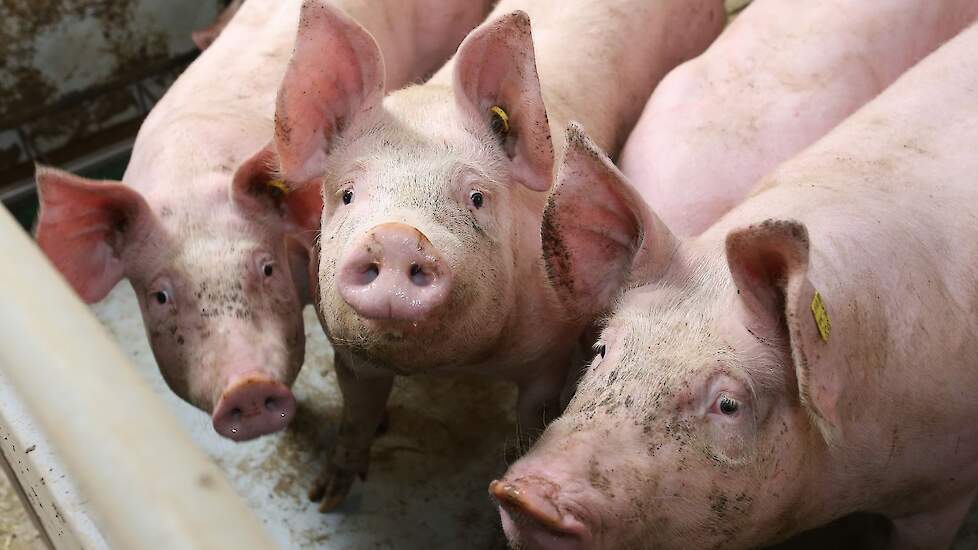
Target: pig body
pixel 780 77
pixel 433 196
pixel 219 256
pixel 810 356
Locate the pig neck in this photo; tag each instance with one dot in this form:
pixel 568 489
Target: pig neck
pixel 538 310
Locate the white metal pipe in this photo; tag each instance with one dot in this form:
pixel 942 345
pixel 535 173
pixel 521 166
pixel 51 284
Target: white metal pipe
pixel 150 486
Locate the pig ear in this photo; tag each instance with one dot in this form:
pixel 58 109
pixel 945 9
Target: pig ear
pixel 258 188
pixel 84 226
pixel 336 73
pixel 769 264
pixel 597 231
pixel 496 69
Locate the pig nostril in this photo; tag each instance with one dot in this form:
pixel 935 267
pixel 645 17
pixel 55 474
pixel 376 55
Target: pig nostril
pixel 371 273
pixel 418 276
pixel 236 414
pixel 270 404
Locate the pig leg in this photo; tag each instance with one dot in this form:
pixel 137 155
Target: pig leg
pixel 364 402
pixel 933 529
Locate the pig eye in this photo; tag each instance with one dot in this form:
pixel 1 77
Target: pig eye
pixel 161 297
pixel 268 269
pixel 601 350
pixel 348 196
pixel 728 405
pixel 477 199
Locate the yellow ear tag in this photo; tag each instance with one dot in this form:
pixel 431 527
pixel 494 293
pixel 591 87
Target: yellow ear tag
pixel 278 184
pixel 821 317
pixel 500 122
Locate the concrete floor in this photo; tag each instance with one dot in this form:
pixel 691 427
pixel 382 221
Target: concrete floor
pixel 16 530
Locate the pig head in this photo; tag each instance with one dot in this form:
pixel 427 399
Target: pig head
pixel 429 195
pixel 707 417
pixel 221 299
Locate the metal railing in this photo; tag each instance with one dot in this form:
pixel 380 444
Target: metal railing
pixel 148 484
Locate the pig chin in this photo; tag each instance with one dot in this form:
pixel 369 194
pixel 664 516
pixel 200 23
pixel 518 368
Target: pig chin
pixel 456 335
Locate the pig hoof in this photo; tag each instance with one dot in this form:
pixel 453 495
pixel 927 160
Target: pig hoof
pixel 332 487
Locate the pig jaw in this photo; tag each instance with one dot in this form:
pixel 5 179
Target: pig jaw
pixel 415 167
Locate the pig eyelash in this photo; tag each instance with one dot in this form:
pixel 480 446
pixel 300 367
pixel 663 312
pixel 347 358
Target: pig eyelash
pixel 727 406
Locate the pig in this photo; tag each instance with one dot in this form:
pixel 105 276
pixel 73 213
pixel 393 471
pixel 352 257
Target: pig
pixel 744 383
pixel 778 78
pixel 433 197
pixel 217 253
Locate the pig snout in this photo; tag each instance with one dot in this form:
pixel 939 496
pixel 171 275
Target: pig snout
pixel 532 519
pixel 394 273
pixel 253 406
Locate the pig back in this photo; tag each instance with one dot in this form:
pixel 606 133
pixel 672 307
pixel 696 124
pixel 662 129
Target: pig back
pixel 222 105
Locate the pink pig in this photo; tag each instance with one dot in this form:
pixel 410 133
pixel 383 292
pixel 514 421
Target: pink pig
pixel 433 197
pixel 781 76
pixel 218 257
pixel 810 356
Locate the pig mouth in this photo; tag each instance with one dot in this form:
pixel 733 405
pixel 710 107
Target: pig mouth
pixel 397 330
pixel 534 519
pixel 371 333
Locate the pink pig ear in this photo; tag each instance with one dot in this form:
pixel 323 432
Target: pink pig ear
pixel 84 226
pixel 258 188
pixel 769 264
pixel 597 231
pixel 336 73
pixel 496 67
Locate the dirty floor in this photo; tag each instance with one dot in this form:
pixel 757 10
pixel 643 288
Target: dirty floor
pixel 16 530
